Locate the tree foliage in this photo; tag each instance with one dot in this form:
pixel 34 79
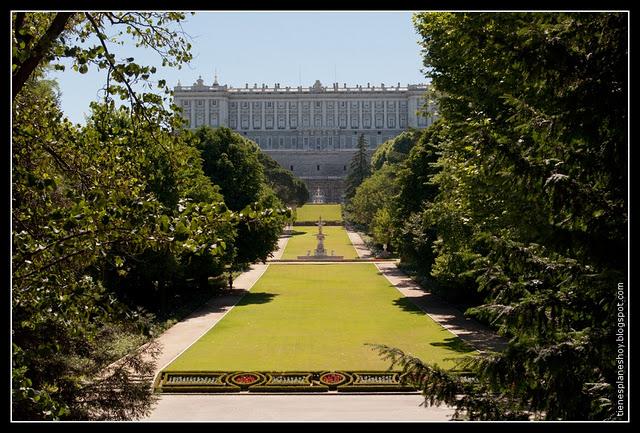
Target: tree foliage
pixel 374 193
pixel 86 38
pixel 359 168
pixel 74 203
pixel 394 150
pixel 108 219
pixel 231 161
pixel 525 188
pixel 289 189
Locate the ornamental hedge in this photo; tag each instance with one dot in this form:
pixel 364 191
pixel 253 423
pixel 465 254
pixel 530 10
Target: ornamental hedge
pixel 296 381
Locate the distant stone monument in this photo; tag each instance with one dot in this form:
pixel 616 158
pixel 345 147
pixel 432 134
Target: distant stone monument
pixel 320 253
pixel 318 197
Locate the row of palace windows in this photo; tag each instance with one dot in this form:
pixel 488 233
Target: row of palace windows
pixel 318 143
pixel 318 122
pixel 318 104
pixel 305 105
pixel 344 167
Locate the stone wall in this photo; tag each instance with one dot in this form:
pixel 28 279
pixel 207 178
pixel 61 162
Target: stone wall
pixel 325 170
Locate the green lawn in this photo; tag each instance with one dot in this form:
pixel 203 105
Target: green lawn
pixel 311 212
pixel 317 317
pixel 304 239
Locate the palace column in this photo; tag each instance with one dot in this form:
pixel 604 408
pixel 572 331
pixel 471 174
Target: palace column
pixel 193 113
pixel 207 118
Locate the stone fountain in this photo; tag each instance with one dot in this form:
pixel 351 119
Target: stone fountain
pixel 320 253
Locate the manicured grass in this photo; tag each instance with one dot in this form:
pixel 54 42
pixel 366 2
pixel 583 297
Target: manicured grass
pixel 317 317
pixel 311 212
pixel 303 239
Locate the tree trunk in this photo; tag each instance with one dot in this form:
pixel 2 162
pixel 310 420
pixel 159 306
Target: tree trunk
pixel 24 69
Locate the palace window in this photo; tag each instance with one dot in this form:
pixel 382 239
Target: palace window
pixel 317 167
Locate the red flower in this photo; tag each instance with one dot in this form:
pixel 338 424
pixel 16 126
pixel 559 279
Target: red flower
pixel 332 378
pixel 246 379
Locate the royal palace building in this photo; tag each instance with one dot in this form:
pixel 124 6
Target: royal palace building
pixel 312 131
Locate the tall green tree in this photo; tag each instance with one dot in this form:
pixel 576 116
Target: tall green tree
pixel 73 201
pixel 394 150
pixel 374 193
pixel 231 162
pixel 531 203
pixel 359 168
pixel 289 189
pixel 92 208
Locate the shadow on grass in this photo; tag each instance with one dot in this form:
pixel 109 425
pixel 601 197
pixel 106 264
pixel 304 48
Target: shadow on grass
pixel 293 233
pixel 455 344
pixel 405 304
pixel 256 298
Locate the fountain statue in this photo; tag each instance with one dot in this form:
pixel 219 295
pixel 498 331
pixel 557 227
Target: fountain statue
pixel 320 251
pixel 318 196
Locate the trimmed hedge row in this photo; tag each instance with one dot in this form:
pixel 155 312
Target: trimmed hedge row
pixel 292 381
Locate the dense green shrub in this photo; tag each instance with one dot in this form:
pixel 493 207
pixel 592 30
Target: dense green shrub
pixel 526 191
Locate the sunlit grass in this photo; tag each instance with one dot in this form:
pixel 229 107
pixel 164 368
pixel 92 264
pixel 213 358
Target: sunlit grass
pixel 304 239
pixel 315 317
pixel 312 212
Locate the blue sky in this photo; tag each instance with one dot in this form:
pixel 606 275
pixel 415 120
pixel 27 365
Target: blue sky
pixel 289 48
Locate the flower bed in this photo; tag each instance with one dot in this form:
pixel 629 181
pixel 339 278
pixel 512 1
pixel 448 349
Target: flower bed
pixel 298 381
pixel 246 380
pixel 334 379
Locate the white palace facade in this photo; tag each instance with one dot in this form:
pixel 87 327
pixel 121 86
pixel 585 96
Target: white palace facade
pixel 312 131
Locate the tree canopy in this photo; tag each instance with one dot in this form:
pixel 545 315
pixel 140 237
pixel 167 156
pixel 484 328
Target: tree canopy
pixel 289 189
pixel 114 219
pixel 232 162
pixel 359 168
pixel 522 187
